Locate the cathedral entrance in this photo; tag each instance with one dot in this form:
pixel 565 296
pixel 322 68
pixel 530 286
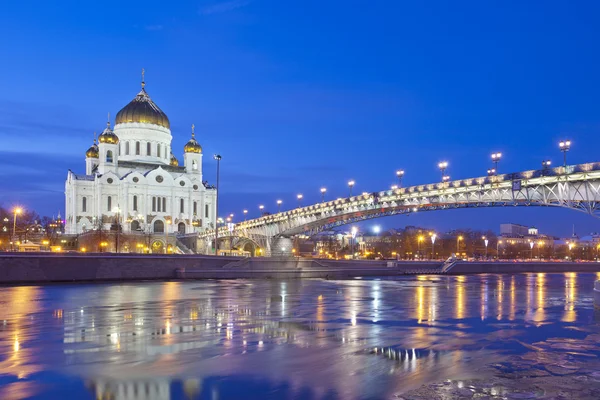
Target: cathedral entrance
pixel 159 226
pixel 158 247
pixel 181 228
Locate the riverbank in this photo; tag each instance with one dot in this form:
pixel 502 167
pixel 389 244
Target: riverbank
pixel 40 268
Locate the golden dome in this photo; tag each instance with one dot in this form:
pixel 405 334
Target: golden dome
pixel 192 146
pixel 142 109
pixel 92 152
pixel 174 161
pixel 108 136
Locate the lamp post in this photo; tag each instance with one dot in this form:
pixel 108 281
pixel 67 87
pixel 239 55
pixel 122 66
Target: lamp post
pixel 245 214
pixel 571 245
pixel 419 240
pixel 394 187
pixel 495 159
pixel 117 212
pixel 485 242
pixel 445 178
pixel 279 205
pixel 299 197
pixel 546 164
pixel 458 240
pixel 351 185
pixel 531 243
pixel 433 237
pixel 498 242
pixel 354 231
pixel 218 158
pixel 168 222
pixel 491 172
pixel 400 174
pixel 443 166
pixel 323 191
pixel 16 211
pixel 564 146
pixel 261 208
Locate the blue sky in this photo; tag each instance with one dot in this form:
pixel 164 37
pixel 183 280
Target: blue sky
pixel 296 95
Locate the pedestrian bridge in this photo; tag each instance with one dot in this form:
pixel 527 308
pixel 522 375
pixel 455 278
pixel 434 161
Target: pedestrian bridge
pixel 575 186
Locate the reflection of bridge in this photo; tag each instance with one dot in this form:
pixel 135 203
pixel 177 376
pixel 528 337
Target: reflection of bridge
pixel 576 187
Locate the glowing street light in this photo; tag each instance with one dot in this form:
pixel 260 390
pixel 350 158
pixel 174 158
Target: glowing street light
pixel 261 208
pixel 458 240
pixel 498 243
pixel 300 197
pixel 245 214
pixel 16 211
pixel 491 172
pixel 376 229
pixel 400 174
pixel 394 187
pixel 323 191
pixel 279 205
pixel 351 185
pixel 218 158
pixel 433 237
pixel 485 241
pixel 353 231
pixel 546 164
pixel 495 159
pixel 531 243
pixel 419 240
pixel 443 166
pixel 564 146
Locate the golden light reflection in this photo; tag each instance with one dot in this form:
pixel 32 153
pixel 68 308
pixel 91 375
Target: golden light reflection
pixel 500 291
pixel 320 308
pixel 540 282
pixel 484 298
pixel 420 303
pixel 511 315
pixel 460 298
pixel 16 344
pixel 570 297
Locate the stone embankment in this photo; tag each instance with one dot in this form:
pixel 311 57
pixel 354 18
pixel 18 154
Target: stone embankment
pixel 41 268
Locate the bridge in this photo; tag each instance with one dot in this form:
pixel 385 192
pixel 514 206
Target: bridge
pixel 575 187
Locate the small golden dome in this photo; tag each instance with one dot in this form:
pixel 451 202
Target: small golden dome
pixel 174 161
pixel 92 152
pixel 142 109
pixel 192 146
pixel 108 136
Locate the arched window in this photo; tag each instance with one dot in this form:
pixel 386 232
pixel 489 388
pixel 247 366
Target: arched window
pixel 194 165
pixel 148 149
pixel 195 208
pixel 137 148
pixel 135 205
pixel 159 226
pixel 126 148
pixel 181 228
pixel 181 208
pixel 158 150
pixel 109 156
pixel 164 205
pixel 153 204
pixel 84 204
pixel 109 203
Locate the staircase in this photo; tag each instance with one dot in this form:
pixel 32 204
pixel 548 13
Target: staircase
pixel 183 248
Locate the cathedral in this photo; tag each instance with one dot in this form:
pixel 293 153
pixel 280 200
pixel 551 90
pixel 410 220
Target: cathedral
pixel 134 183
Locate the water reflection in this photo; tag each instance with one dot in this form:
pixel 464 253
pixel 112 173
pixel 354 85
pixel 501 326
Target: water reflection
pixel 176 339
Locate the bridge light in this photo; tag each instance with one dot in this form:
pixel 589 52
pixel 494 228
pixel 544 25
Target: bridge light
pixel 546 164
pixel 443 166
pixel 279 205
pixel 351 185
pixel 323 191
pixel 394 187
pixel 445 178
pixel 564 146
pixel 376 229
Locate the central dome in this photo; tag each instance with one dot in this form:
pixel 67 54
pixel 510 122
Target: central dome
pixel 142 109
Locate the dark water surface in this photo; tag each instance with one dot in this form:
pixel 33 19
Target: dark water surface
pixel 300 339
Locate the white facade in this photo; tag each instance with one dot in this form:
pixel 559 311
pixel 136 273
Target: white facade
pixel 133 179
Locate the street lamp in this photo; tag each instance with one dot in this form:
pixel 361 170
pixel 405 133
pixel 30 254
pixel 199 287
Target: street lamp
pixel 498 242
pixel 354 231
pixel 495 159
pixel 419 240
pixel 485 241
pixel 491 172
pixel 458 240
pixel 445 178
pixel 433 237
pixel 299 197
pixel 531 243
pixel 564 146
pixel 546 164
pixel 351 185
pixel 245 213
pixel 279 205
pixel 16 211
pixel 261 208
pixel 400 174
pixel 443 166
pixel 218 158
pixel 323 191
pixel 394 187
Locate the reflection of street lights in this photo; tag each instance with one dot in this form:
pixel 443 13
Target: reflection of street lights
pixel 218 158
pixel 323 191
pixel 351 185
pixel 433 237
pixel 16 211
pixel 564 146
pixel 279 205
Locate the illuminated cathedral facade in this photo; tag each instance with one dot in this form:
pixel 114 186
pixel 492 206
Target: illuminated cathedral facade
pixel 134 183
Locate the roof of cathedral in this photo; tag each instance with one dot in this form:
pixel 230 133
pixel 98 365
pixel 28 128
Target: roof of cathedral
pixel 192 146
pixel 142 109
pixel 93 152
pixel 108 136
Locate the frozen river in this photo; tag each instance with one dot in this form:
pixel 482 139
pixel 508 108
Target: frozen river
pixel 298 339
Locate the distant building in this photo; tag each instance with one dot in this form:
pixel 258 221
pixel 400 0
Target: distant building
pixel 513 230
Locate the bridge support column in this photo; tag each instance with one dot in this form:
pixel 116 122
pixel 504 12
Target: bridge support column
pixel 281 247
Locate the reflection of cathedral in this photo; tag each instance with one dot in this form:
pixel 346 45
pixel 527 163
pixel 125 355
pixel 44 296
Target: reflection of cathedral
pixel 133 179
